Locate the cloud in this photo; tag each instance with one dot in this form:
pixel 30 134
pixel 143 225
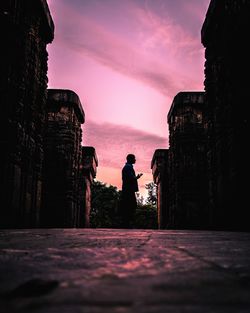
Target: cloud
pixel 150 60
pixel 113 143
pixel 197 10
pixel 165 32
pixel 121 56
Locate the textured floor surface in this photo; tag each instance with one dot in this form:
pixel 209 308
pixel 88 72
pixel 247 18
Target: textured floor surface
pixel 105 270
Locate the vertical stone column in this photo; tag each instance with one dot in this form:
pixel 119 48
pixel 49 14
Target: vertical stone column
pixel 27 28
pixel 225 33
pixel 159 166
pixel 62 159
pixel 187 162
pixel 88 173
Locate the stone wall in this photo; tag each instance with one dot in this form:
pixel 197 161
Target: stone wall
pixel 225 33
pixel 88 173
pixel 187 192
pixel 27 28
pixel 62 159
pixel 159 166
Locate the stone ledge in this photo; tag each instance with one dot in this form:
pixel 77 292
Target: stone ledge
pixel 69 97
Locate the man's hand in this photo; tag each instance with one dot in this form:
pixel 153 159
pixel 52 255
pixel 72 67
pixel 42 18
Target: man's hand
pixel 139 175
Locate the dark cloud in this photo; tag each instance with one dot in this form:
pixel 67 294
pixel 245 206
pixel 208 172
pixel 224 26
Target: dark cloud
pixel 114 142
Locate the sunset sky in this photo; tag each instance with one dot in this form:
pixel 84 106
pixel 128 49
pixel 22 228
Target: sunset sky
pixel 126 60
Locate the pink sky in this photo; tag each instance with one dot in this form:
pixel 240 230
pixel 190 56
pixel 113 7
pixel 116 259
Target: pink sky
pixel 126 60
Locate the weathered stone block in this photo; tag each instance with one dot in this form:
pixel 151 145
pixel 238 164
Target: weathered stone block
pixel 88 173
pixel 62 159
pixel 227 67
pixel 27 28
pixel 159 166
pixel 187 178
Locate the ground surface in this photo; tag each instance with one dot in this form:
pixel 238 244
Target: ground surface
pixel 103 270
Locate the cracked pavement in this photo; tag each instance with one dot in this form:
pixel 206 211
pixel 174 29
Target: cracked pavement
pixel 115 270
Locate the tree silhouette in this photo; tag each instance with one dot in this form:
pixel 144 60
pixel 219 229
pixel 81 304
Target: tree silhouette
pixel 152 197
pixel 104 205
pixel 105 208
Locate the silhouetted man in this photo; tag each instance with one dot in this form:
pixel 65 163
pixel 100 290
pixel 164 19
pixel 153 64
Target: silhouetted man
pixel 129 188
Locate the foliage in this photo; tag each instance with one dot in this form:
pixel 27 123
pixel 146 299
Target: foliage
pixel 139 198
pixel 146 217
pixel 105 207
pixel 152 196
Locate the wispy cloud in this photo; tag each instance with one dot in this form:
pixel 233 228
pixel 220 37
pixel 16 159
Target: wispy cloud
pixel 109 50
pixel 90 38
pixel 196 10
pixel 159 32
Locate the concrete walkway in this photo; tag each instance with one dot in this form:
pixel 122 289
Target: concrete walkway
pixel 142 271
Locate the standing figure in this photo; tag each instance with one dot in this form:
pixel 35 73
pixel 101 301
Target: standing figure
pixel 129 188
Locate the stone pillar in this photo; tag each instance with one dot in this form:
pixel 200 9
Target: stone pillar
pixel 225 33
pixel 89 169
pixel 62 159
pixel 159 166
pixel 187 161
pixel 27 28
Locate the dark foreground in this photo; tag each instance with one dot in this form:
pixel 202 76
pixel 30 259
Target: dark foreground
pixel 104 270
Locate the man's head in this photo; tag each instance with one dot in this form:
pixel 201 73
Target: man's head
pixel 131 159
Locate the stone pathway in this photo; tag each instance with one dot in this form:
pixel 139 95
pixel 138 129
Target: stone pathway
pixel 142 271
